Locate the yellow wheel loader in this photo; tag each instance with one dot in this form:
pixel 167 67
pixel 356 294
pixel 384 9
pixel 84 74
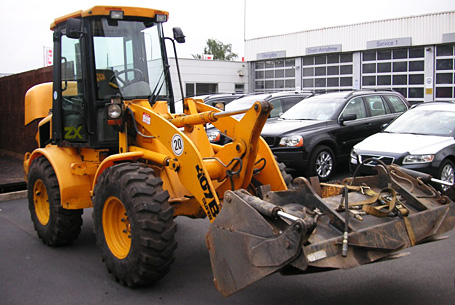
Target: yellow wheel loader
pixel 109 138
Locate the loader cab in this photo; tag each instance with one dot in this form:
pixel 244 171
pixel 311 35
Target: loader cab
pixel 104 56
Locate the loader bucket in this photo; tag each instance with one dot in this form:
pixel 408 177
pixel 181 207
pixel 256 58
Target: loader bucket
pixel 318 227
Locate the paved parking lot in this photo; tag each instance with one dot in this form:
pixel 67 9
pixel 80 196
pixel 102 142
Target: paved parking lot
pixel 31 273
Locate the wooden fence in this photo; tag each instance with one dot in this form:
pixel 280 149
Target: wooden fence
pixel 15 138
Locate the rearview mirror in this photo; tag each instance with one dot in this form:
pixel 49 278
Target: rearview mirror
pixel 347 117
pixel 178 35
pixel 73 28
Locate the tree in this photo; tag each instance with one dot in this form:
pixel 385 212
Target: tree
pixel 219 50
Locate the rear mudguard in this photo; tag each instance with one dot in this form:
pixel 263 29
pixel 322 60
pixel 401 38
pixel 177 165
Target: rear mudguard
pixel 74 189
pixel 248 240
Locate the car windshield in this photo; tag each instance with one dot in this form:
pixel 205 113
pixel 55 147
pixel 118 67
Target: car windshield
pixel 314 108
pixel 424 122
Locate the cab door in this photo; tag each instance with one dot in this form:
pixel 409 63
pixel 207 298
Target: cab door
pixel 69 124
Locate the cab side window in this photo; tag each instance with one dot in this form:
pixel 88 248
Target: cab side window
pixel 72 91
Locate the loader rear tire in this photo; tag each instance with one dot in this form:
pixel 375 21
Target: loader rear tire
pixel 54 225
pixel 133 224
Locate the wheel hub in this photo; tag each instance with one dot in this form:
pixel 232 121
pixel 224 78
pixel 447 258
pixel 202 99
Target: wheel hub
pixel 324 165
pixel 41 202
pixel 117 227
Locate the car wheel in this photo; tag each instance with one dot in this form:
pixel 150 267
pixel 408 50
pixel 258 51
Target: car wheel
pixel 322 163
pixel 447 174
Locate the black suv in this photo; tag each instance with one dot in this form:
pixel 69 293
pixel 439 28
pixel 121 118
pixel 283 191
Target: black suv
pixel 320 131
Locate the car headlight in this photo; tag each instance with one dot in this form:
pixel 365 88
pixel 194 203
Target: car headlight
pixel 354 156
pixel 214 136
pixel 293 141
pixel 416 159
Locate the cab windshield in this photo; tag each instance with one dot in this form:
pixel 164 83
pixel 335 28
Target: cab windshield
pixel 128 59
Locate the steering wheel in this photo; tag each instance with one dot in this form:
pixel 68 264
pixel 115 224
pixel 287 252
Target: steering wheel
pixel 126 82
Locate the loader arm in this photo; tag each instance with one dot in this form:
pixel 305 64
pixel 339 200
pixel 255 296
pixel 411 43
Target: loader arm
pixel 247 132
pixel 204 174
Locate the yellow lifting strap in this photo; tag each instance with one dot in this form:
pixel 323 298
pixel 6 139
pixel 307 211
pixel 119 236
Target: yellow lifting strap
pixel 382 197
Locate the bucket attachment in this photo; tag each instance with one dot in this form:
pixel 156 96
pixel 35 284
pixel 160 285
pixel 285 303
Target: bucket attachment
pixel 316 226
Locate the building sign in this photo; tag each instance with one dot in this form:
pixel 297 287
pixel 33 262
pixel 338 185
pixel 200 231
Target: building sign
pixel 389 43
pixel 271 55
pixel 449 37
pixel 324 49
pixel 48 57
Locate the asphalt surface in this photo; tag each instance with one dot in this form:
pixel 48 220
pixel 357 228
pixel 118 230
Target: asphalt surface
pixel 32 273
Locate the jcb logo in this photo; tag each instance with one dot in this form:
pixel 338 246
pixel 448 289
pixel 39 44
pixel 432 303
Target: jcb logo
pixel 209 200
pixel 73 133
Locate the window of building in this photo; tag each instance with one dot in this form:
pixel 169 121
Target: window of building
pixel 399 69
pixel 275 75
pixel 325 72
pixel 239 88
pixel 193 89
pixel 445 73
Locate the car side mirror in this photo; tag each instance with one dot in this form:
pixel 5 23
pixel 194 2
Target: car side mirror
pixel 347 117
pixel 178 35
pixel 73 28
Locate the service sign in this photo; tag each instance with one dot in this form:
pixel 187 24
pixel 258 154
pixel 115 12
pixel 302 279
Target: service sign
pixel 389 43
pixel 448 37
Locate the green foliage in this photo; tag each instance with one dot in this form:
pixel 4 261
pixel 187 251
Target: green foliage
pixel 219 50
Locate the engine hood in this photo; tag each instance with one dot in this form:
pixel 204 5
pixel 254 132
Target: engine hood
pixel 279 127
pixel 396 143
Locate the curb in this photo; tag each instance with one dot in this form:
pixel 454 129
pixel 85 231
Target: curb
pixel 13 196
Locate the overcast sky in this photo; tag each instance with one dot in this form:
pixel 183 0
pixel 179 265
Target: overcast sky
pixel 24 24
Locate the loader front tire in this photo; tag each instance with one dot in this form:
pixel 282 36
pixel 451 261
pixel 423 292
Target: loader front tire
pixel 133 224
pixel 54 225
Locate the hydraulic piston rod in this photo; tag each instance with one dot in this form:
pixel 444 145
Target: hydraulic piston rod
pixel 204 117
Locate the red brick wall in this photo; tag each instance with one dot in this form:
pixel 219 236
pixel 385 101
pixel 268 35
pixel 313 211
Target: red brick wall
pixel 14 136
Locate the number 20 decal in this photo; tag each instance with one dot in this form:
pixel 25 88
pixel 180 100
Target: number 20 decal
pixel 177 145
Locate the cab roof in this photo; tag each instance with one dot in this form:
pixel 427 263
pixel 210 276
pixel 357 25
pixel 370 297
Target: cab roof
pixel 106 10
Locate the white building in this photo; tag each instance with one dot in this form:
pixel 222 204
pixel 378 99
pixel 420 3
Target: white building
pixel 209 76
pixel 412 55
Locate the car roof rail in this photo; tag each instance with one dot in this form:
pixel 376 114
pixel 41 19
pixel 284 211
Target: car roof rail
pixel 371 90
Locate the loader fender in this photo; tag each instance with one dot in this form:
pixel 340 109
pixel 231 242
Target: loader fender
pixel 74 189
pixel 38 102
pixel 112 160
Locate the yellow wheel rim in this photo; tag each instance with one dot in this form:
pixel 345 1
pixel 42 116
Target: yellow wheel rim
pixel 116 226
pixel 41 201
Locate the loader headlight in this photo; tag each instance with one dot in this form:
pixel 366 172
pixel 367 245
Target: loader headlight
pixel 114 111
pixel 117 14
pixel 161 18
pixel 293 141
pixel 416 159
